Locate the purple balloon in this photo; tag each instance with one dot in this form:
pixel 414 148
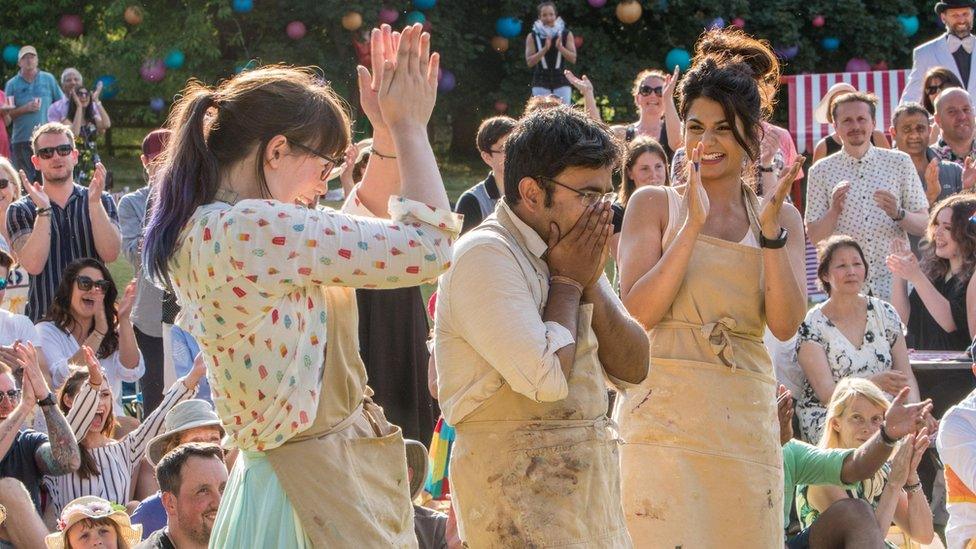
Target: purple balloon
pixel 153 70
pixel 597 3
pixel 786 52
pixel 857 64
pixel 717 23
pixel 388 15
pixel 446 81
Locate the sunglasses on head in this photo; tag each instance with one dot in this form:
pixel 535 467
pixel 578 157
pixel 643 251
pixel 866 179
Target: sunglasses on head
pixel 48 152
pixel 86 283
pixel 648 90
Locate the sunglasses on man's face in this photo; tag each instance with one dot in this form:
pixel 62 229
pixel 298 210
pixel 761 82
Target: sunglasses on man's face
pixel 648 90
pixel 86 283
pixel 47 153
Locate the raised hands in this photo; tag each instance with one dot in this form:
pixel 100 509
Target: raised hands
pixel 582 253
pixel 95 375
pixel 34 385
pixel 902 419
pixel 128 300
pixel 695 198
pixel 383 44
pixel 769 214
pixel 97 185
pixel 902 262
pixel 909 455
pixel 35 191
pixel 408 88
pixel 582 84
pixel 932 184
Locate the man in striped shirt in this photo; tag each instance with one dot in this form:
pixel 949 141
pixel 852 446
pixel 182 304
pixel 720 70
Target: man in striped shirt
pixel 60 221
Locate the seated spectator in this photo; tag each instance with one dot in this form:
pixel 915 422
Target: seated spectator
pixel 83 313
pixel 192 479
pixel 910 128
pixel 957 448
pixel 940 310
pixel 28 455
pixel 848 335
pixel 479 201
pixel 107 465
pixel 189 421
pixel 88 120
pixel 857 412
pixel 847 522
pixel 70 79
pixel 93 522
pixel 9 193
pixel 954 115
pixel 60 221
pixel 432 527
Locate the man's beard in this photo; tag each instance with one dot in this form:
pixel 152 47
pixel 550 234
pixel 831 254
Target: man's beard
pixel 57 180
pixel 960 31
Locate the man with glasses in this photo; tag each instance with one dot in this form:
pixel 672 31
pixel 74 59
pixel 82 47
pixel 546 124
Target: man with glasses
pixel 29 95
pixel 527 333
pixel 60 221
pixel 29 455
pixel 479 201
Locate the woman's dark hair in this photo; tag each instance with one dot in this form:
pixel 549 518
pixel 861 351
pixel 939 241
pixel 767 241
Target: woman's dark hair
pixel 60 311
pixel 70 388
pixel 738 72
pixel 214 128
pixel 949 80
pixel 825 254
pixel 550 141
pixel 963 232
pixel 89 110
pixel 640 145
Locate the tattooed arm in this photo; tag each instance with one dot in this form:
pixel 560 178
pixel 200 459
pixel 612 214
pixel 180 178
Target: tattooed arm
pixel 10 426
pixel 61 454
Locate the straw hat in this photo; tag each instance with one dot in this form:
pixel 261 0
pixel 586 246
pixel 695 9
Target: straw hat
pixel 92 507
pixel 418 461
pixel 186 415
pixel 822 112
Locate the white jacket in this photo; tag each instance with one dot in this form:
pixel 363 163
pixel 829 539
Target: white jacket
pixel 934 53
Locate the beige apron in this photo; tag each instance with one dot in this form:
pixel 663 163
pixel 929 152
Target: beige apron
pixel 541 474
pixel 346 476
pixel 702 465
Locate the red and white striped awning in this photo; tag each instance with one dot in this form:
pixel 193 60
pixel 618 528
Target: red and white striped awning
pixel 805 91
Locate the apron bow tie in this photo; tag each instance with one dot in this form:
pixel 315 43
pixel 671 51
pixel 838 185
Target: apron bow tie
pixel 718 336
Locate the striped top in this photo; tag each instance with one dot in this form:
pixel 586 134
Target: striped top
pixel 71 238
pixel 118 460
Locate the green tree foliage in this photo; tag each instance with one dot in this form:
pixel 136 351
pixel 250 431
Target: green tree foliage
pixel 216 40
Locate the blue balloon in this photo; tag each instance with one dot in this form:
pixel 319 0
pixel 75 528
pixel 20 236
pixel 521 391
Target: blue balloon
pixel 909 24
pixel 10 54
pixel 242 6
pixel 110 85
pixel 717 23
pixel 415 17
pixel 157 104
pixel 424 4
pixel 509 27
pixel 174 59
pixel 830 43
pixel 678 57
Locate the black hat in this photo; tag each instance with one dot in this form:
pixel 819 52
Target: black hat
pixel 952 4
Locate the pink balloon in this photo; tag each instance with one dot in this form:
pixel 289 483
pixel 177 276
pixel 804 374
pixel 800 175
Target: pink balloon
pixel 388 15
pixel 70 26
pixel 857 64
pixel 598 3
pixel 153 70
pixel 819 21
pixel 739 22
pixel 295 30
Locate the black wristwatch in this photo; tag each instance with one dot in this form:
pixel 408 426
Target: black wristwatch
pixel 773 243
pixel 47 401
pixel 899 215
pixel 886 438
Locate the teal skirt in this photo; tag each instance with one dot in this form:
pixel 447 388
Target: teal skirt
pixel 255 511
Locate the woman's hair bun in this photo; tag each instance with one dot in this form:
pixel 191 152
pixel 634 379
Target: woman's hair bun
pixel 731 48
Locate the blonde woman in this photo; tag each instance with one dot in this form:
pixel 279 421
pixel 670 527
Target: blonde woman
pixel 855 413
pixel 9 192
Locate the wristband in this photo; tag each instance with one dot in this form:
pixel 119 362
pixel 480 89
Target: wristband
pixel 766 169
pixel 891 442
pixel 381 155
pixel 912 488
pixel 899 215
pixel 567 281
pixel 44 211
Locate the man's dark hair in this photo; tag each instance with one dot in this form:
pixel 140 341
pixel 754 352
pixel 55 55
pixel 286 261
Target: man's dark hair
pixel 492 129
pixel 170 467
pixel 907 108
pixel 868 99
pixel 549 141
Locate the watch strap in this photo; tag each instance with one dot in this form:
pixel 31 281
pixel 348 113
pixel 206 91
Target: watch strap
pixel 47 401
pixel 773 243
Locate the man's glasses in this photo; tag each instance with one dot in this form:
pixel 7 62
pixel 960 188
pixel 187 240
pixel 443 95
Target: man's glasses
pixel 648 90
pixel 588 198
pixel 85 283
pixel 47 153
pixel 13 395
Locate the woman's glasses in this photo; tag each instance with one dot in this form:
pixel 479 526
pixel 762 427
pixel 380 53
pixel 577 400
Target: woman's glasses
pixel 85 283
pixel 648 90
pixel 934 88
pixel 47 153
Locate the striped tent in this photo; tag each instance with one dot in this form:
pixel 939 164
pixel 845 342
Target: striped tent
pixel 805 91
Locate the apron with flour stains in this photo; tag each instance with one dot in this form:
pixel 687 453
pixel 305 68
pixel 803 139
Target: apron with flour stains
pixel 702 465
pixel 346 476
pixel 541 474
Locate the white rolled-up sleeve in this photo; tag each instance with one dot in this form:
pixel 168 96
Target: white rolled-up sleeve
pixel 493 310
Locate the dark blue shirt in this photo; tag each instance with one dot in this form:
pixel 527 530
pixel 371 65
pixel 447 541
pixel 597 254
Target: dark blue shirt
pixel 71 238
pixel 20 464
pixel 150 514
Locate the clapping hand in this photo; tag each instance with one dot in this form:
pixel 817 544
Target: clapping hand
pixel 887 202
pixel 838 196
pixel 583 84
pixel 95 375
pixel 408 90
pixel 932 184
pixel 695 198
pixel 902 262
pixel 97 185
pixel 902 419
pixel 909 455
pixel 128 300
pixel 34 381
pixel 383 44
pixel 769 214
pixel 97 93
pixel 35 191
